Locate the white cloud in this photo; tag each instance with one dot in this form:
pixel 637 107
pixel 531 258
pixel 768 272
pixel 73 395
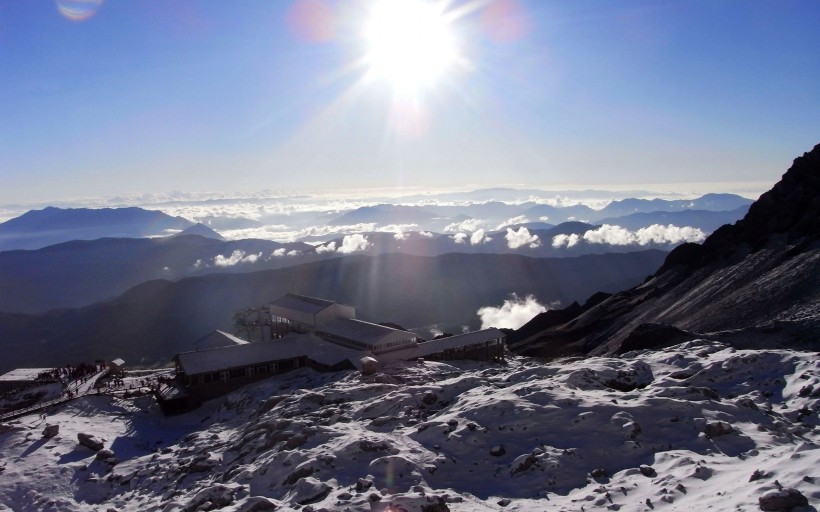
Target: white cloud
pixel 354 243
pixel 294 252
pixel 459 238
pixel 612 235
pixel 278 252
pixel 521 219
pixel 479 237
pixel 669 234
pixel 469 225
pixel 399 229
pixel 514 313
pixel 521 238
pixel 568 240
pixel 616 235
pixel 544 218
pixel 331 247
pixel 238 256
pixel 426 234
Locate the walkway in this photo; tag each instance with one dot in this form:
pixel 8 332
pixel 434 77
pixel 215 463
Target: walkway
pixel 78 389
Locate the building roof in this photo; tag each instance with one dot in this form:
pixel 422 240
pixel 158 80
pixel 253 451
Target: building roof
pixel 216 339
pixel 461 340
pixel 23 374
pixel 367 333
pixel 301 303
pixel 326 353
pixel 290 346
pixel 118 362
pixel 232 356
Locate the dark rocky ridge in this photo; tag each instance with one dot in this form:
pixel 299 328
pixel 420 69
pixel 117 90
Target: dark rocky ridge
pixel 757 281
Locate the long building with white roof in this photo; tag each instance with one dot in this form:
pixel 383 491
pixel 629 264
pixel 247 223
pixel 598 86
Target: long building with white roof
pixel 321 334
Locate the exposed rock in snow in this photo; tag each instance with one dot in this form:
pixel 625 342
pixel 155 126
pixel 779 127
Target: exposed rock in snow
pixel 51 430
pixel 90 441
pixel 782 500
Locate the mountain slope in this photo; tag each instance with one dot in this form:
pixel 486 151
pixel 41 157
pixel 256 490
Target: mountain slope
pixel 682 429
pixel 762 273
pixel 78 273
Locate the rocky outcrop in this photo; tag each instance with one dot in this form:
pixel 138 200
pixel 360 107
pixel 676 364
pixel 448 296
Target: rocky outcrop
pixel 760 276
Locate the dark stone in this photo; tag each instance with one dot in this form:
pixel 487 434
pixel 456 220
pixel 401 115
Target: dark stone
pixel 717 428
pixel 647 471
pixel 51 430
pixel 90 441
pixel 782 500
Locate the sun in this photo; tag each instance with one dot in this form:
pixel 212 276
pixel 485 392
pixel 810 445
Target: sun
pixel 409 43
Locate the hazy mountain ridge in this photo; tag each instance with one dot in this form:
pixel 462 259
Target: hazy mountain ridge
pixel 761 274
pixel 495 212
pixel 153 321
pixel 40 228
pixel 78 273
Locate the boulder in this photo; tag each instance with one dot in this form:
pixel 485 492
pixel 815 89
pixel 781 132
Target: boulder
pixel 103 454
pixel 497 451
pixel 647 471
pixel 782 500
pixel 90 441
pixel 51 430
pixel 717 428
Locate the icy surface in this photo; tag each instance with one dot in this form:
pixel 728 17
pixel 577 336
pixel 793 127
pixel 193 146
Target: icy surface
pixel 697 426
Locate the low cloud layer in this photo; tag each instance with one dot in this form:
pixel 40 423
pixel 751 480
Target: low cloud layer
pixel 514 313
pixel 521 238
pixel 616 235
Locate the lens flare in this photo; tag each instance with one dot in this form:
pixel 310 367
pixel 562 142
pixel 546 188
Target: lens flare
pixel 78 10
pixel 312 21
pixel 505 21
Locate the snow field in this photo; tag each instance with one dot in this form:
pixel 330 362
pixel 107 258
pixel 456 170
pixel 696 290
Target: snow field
pixel 696 426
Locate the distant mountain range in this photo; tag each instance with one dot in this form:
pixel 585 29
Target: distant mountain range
pixel 752 283
pixel 49 226
pixel 435 217
pixel 151 322
pixel 118 255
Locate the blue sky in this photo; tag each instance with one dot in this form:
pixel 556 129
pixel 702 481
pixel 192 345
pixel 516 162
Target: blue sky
pixel 148 96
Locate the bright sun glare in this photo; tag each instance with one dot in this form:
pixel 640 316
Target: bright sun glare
pixel 409 43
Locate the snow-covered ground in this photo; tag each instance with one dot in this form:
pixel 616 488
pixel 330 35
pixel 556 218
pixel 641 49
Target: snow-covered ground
pixel 697 426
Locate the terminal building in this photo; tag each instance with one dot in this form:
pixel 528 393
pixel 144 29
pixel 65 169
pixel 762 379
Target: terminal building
pixel 315 333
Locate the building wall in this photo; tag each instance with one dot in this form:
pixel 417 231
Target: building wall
pixel 293 315
pixel 492 350
pixel 209 385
